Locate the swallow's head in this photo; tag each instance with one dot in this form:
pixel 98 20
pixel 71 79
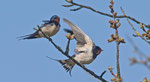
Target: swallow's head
pixel 55 18
pixel 97 50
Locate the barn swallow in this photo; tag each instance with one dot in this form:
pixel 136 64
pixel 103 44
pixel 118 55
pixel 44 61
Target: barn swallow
pixel 50 28
pixel 85 52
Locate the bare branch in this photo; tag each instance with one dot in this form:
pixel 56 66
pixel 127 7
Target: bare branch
pixel 66 54
pixel 143 59
pixel 76 9
pixel 67 47
pixel 115 37
pixel 137 33
pixel 102 13
pixel 102 74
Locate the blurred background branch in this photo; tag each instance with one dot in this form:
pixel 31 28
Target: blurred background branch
pixel 143 59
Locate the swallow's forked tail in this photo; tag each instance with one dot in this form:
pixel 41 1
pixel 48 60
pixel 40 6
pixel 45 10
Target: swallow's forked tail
pixel 68 64
pixel 30 36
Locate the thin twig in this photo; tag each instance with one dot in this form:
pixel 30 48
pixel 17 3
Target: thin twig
pixel 105 14
pixel 118 66
pixel 143 59
pixel 134 28
pixel 136 49
pixel 67 47
pixel 117 40
pixel 103 74
pixel 82 66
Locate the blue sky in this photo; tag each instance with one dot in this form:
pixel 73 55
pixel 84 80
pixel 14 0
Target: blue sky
pixel 25 61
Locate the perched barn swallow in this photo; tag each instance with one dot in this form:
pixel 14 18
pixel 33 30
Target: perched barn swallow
pixel 50 28
pixel 85 52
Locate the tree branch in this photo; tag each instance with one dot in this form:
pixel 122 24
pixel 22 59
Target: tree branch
pixel 67 47
pixel 66 54
pixel 115 25
pixel 138 34
pixel 102 13
pixel 143 58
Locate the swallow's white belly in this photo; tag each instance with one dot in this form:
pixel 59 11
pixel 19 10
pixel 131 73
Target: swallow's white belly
pixel 50 30
pixel 84 58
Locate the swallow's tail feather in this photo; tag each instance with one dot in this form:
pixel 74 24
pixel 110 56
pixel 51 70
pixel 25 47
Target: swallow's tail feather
pixel 68 64
pixel 30 36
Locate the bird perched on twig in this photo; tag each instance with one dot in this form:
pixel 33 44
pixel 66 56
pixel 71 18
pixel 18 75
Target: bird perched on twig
pixel 50 28
pixel 85 52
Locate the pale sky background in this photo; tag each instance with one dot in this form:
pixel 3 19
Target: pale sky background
pixel 25 61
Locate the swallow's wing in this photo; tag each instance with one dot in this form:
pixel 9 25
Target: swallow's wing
pixel 78 33
pixel 84 43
